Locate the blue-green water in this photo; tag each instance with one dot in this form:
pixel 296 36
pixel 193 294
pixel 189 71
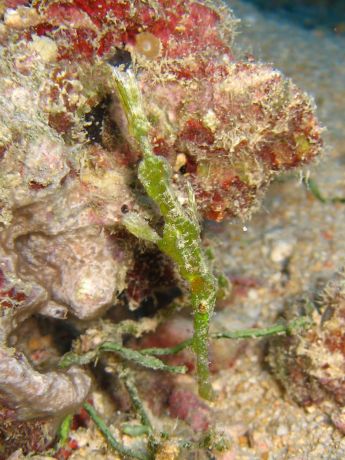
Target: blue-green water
pixel 311 14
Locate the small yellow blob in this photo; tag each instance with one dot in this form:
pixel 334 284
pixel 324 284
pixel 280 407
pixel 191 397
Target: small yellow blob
pixel 21 18
pixel 303 146
pixel 181 160
pixel 148 45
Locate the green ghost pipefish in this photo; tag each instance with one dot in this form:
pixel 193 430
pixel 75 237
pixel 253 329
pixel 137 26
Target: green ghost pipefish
pixel 181 233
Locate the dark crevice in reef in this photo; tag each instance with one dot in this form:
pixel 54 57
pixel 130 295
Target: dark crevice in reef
pixel 102 129
pixel 94 121
pixel 62 331
pixel 157 301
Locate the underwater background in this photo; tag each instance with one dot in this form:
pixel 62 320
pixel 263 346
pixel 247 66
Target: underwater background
pixel 268 407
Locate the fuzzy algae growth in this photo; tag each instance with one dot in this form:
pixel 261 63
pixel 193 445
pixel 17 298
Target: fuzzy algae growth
pixel 181 233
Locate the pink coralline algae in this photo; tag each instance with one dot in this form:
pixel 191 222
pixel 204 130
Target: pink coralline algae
pixel 68 163
pixel 185 405
pixel 228 126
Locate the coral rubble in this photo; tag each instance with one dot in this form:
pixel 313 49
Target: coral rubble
pixel 310 365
